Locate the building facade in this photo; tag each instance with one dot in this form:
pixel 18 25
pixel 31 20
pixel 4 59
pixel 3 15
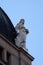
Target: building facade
pixel 11 53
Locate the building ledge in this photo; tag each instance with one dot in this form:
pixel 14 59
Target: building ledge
pixel 20 49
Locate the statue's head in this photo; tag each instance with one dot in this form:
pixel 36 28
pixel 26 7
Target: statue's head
pixel 24 30
pixel 22 21
pixel 27 31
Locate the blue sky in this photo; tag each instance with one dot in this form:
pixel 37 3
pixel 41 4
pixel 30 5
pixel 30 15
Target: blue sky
pixel 32 12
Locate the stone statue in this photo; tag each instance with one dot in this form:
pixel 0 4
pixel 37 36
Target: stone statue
pixel 22 32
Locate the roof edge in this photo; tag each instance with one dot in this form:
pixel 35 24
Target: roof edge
pixel 27 54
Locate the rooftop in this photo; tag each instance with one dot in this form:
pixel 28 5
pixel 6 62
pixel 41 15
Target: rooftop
pixel 6 27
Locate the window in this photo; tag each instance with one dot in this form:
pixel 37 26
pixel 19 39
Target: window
pixel 1 51
pixel 8 58
pixel 3 57
pixel 0 64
